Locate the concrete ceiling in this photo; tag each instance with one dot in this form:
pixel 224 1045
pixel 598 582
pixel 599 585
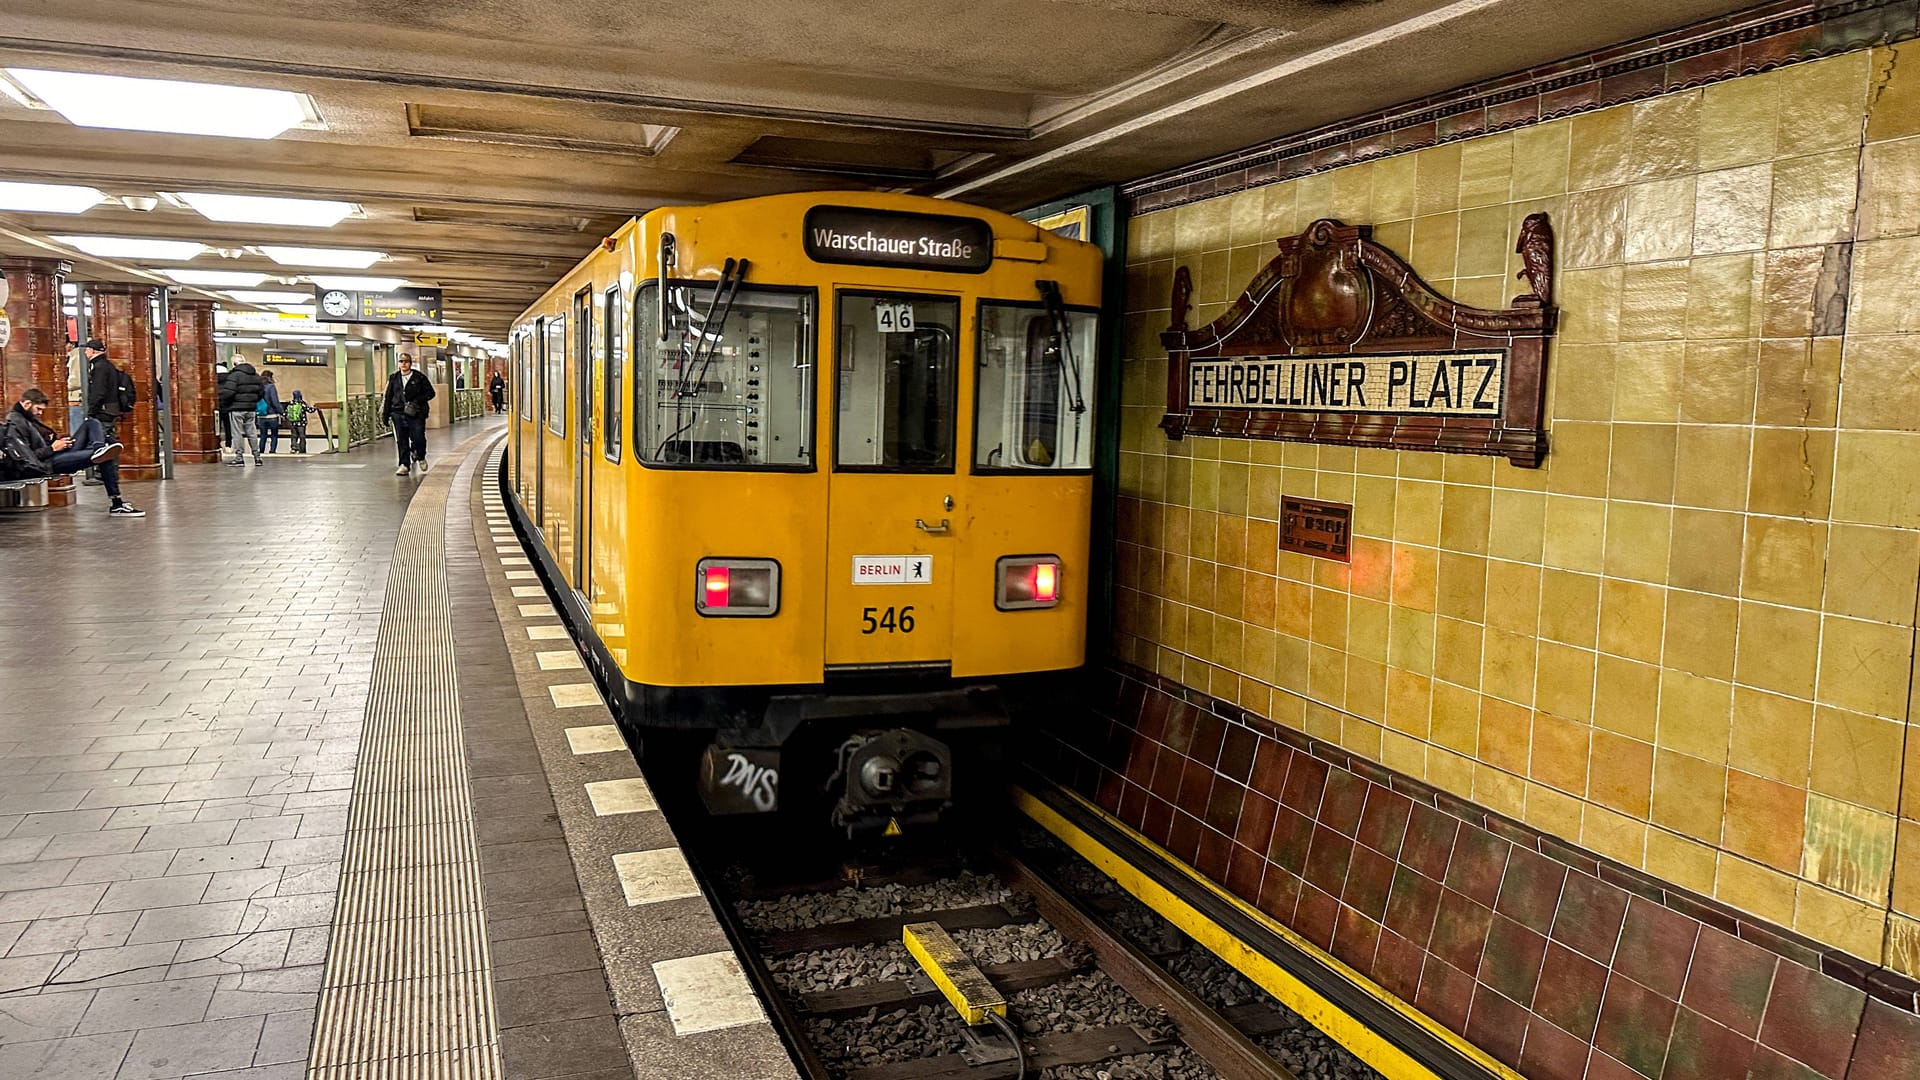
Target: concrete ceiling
pixel 491 143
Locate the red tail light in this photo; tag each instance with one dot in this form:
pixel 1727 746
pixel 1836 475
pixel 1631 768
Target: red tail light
pixel 716 586
pixel 1027 581
pixel 737 587
pixel 1046 582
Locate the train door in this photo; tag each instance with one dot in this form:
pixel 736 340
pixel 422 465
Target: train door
pixel 540 407
pixel 896 512
pixel 516 419
pixel 585 367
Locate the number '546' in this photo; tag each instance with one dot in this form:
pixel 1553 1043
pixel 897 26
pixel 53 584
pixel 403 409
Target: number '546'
pixel 874 620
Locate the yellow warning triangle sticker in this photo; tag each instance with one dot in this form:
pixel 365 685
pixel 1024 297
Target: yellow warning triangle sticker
pixel 893 827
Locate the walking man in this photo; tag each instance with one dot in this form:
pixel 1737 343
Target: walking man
pixel 408 392
pixel 240 403
pixel 497 389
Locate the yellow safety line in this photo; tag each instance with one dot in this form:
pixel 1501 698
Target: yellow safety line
pixel 964 984
pixel 1365 1043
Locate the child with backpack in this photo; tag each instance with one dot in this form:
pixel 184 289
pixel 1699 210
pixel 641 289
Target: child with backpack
pixel 297 410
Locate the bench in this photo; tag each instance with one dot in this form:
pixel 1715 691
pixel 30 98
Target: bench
pixel 23 496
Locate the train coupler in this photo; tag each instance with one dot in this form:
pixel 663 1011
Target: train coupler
pixel 890 780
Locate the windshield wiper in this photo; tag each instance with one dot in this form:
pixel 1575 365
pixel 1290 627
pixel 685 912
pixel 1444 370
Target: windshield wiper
pixel 709 332
pixel 1069 367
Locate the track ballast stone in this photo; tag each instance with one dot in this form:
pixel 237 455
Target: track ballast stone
pixel 801 910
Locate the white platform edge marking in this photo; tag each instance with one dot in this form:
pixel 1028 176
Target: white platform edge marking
pixel 559 660
pixel 546 633
pixel 651 877
pixel 610 797
pixel 706 993
pixel 597 739
pixel 574 695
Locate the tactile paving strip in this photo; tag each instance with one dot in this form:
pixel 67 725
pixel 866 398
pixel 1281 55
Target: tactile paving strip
pixel 408 991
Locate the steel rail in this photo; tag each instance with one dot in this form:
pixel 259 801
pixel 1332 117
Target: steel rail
pixel 1231 1053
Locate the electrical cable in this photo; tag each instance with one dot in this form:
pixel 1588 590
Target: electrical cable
pixel 1019 1048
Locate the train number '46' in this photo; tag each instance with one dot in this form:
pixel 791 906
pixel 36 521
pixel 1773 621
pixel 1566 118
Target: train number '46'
pixel 874 620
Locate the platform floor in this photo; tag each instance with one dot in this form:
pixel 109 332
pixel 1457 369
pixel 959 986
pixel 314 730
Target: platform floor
pixel 265 814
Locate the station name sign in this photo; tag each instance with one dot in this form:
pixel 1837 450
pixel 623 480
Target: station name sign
pixel 1426 384
pixel 403 306
pixel 862 237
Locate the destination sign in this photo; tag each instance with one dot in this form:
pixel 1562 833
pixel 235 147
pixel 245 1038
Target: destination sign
pixel 277 358
pixel 1438 384
pixel 861 237
pixel 406 306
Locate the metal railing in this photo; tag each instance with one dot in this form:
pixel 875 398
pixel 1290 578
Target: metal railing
pixel 364 420
pixel 468 404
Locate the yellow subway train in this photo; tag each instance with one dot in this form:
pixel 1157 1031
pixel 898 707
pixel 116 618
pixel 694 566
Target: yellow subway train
pixel 813 477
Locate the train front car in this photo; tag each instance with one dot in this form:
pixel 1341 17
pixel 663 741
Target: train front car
pixel 824 499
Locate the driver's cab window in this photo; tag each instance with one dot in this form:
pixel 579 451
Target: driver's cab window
pixel 898 369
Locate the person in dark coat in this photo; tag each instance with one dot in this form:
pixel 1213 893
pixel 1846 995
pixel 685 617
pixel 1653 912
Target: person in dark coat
pixel 103 389
pixel 240 394
pixel 270 416
pixel 406 404
pixel 29 448
pixel 497 389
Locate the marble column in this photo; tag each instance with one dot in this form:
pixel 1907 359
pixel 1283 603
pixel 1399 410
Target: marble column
pixel 123 319
pixel 35 353
pixel 196 391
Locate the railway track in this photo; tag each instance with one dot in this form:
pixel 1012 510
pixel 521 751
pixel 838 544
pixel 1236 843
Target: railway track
pixel 1086 1001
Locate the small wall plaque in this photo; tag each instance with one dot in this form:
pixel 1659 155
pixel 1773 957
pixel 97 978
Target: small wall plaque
pixel 1319 529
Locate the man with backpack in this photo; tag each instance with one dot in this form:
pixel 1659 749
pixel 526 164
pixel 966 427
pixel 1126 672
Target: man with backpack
pixel 240 397
pixel 30 449
pixel 110 391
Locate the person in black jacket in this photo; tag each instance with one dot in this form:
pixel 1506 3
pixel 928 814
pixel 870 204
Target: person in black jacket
pixel 497 389
pixel 29 448
pixel 103 389
pixel 408 392
pixel 240 403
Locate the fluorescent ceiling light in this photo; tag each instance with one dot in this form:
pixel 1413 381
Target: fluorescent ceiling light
pixel 338 258
pixel 359 284
pixel 316 341
pixel 306 310
pixel 287 337
pixel 238 340
pixel 265 210
pixel 250 296
pixel 48 198
pixel 239 279
pixel 164 105
pixel 127 247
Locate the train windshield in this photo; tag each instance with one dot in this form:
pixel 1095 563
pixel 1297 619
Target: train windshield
pixel 730 383
pixel 899 381
pixel 1036 388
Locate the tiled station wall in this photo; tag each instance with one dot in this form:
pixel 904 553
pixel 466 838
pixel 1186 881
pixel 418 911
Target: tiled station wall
pixel 1686 644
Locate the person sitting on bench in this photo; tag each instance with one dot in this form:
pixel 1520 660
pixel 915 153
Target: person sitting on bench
pixel 30 449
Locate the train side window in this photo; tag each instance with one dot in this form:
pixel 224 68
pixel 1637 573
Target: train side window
pixel 1034 407
pixel 898 383
pixel 615 350
pixel 523 371
pixel 553 366
pixel 730 383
